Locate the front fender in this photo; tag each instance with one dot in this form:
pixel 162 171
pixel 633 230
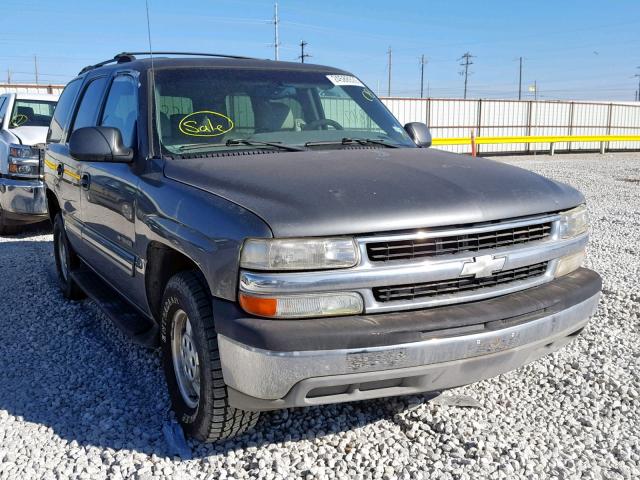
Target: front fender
pixel 206 228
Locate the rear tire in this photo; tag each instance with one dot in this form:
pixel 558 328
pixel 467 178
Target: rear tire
pixel 191 362
pixel 66 261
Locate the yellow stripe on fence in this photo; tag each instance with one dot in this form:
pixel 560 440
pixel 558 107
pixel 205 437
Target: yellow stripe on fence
pixel 536 139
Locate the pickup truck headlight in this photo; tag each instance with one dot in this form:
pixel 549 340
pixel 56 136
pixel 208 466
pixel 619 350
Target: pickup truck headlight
pixel 23 161
pixel 299 253
pixel 573 222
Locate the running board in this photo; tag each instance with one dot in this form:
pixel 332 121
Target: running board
pixel 140 329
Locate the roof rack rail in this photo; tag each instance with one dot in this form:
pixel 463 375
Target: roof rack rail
pixel 131 56
pixel 119 58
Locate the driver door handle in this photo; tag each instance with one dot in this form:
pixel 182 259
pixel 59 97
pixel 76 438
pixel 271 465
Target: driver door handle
pixel 85 181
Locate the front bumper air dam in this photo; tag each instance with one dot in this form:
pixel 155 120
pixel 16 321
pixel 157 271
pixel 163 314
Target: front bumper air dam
pixel 23 201
pixel 260 379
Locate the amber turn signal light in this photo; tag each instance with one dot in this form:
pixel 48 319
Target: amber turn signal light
pixel 261 306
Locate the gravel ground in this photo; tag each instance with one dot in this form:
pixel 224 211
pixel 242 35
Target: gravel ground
pixel 77 400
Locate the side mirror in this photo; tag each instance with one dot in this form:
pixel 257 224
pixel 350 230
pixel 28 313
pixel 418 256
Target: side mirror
pixel 419 133
pixel 99 144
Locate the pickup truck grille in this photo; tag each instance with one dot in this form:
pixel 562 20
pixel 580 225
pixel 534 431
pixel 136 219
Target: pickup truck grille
pixel 446 245
pixel 457 285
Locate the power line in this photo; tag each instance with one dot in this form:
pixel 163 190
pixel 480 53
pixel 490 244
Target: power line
pixel 389 69
pixel 303 55
pixel 520 81
pixel 466 62
pixel 535 89
pixel 276 31
pixel 423 62
pixel 35 64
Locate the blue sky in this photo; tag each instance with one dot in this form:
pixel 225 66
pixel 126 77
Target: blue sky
pixel 573 49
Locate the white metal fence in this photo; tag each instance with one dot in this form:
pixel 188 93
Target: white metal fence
pixel 449 118
pixel 29 88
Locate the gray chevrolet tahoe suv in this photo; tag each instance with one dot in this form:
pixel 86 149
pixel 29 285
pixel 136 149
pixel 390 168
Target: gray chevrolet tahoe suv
pixel 289 243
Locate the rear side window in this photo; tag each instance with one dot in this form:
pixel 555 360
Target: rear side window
pixel 62 111
pixel 121 109
pixel 90 104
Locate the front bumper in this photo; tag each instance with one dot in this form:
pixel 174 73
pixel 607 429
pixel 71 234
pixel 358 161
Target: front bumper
pixel 262 379
pixel 23 201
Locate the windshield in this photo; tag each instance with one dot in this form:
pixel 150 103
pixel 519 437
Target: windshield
pixel 31 113
pixel 211 109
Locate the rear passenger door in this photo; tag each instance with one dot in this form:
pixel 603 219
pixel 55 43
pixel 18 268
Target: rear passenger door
pixel 108 200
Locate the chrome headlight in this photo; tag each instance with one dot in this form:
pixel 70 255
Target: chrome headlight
pixel 24 161
pixel 574 222
pixel 299 253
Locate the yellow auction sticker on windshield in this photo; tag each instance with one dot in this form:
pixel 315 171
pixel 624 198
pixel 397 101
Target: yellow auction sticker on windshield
pixel 205 123
pixel 368 94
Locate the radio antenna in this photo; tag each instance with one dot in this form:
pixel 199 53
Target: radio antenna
pixel 149 36
pixel 153 71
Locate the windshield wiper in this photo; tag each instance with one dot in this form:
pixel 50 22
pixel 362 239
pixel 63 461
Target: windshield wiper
pixel 234 142
pixel 258 143
pixel 351 141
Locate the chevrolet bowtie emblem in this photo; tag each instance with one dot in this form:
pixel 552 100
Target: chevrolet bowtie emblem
pixel 483 266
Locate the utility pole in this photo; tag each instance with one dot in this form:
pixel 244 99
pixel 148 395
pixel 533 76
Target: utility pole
pixel 35 63
pixel 466 62
pixel 389 71
pixel 535 89
pixel 520 81
pixel 303 55
pixel 637 75
pixel 276 33
pixel 8 76
pixel 423 62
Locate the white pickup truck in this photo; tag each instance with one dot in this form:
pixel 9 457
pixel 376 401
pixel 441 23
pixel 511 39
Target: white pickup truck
pixel 24 121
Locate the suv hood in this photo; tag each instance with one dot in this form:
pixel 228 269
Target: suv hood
pixel 30 135
pixel 353 191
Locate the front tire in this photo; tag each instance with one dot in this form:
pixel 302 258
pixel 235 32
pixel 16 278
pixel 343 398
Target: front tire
pixel 66 261
pixel 191 362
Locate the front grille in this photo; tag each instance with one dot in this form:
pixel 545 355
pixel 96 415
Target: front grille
pixel 473 242
pixel 458 285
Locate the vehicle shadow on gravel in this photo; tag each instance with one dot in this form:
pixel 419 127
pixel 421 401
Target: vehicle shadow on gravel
pixel 308 424
pixel 65 367
pixel 30 230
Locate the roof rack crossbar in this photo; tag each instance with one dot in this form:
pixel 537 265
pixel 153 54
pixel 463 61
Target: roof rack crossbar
pixel 131 56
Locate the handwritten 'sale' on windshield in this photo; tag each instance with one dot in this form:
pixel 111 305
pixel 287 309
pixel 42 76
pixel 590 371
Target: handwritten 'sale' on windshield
pixel 205 123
